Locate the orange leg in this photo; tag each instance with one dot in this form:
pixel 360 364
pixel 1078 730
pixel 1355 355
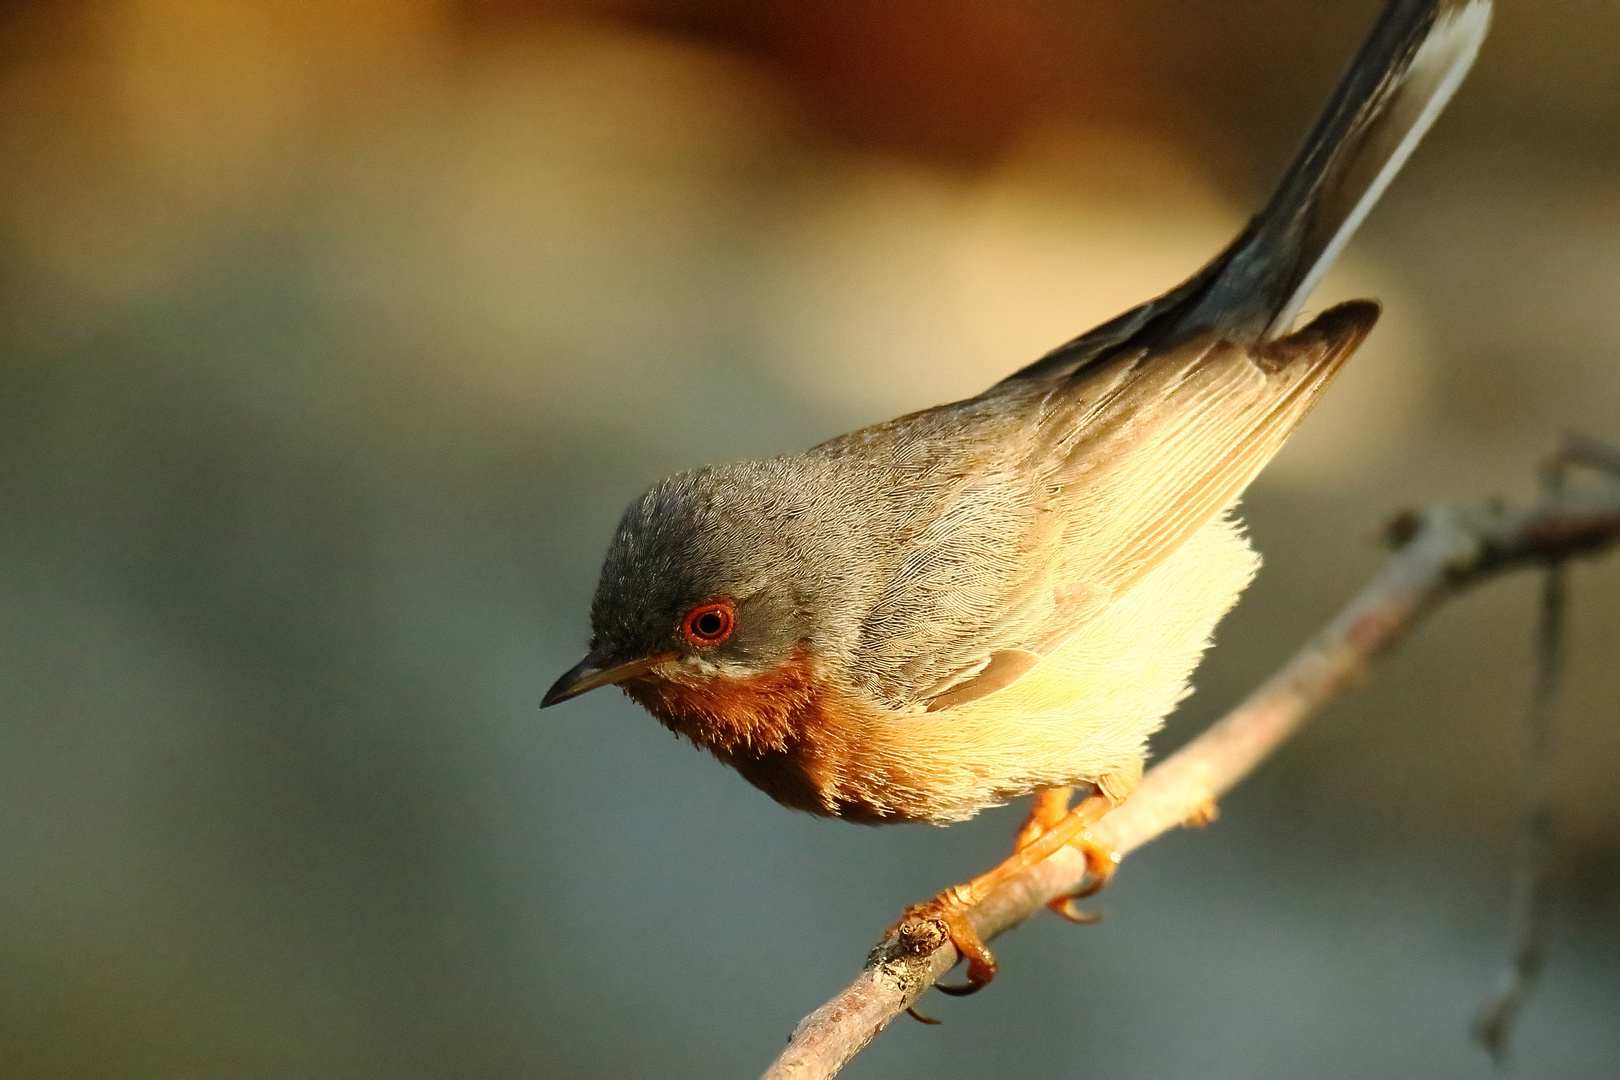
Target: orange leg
pixel 1046 809
pixel 1050 827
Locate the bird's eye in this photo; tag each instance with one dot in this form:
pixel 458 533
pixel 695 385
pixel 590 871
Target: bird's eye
pixel 707 625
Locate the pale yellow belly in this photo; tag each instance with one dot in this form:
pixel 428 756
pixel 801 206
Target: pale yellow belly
pixel 1084 712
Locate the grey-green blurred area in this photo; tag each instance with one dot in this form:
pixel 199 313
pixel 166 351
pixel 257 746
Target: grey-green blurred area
pixel 334 338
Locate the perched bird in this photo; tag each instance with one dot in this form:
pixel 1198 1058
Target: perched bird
pixel 1006 595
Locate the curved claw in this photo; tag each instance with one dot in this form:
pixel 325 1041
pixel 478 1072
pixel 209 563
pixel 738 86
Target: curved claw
pixel 949 909
pixel 1100 867
pixel 981 966
pixel 911 1011
pixel 959 989
pixel 1064 908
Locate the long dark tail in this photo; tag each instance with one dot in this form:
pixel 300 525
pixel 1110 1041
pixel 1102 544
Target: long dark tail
pixel 1408 69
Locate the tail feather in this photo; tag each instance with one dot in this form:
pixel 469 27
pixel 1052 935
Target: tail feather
pixel 1406 73
pixel 1411 64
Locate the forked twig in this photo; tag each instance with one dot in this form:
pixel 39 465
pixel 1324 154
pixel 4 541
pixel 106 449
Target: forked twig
pixel 1528 899
pixel 1439 553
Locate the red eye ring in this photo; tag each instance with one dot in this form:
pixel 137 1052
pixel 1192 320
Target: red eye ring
pixel 708 625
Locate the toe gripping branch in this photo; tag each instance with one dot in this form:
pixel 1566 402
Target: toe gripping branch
pixel 950 910
pixel 1046 833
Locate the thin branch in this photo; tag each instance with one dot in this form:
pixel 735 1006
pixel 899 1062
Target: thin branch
pixel 1529 896
pixel 1527 904
pixel 1439 553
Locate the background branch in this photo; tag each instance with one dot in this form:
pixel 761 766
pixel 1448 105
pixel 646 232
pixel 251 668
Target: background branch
pixel 1438 553
pixel 1527 904
pixel 1528 900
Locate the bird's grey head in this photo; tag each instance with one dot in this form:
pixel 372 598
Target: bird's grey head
pixel 700 574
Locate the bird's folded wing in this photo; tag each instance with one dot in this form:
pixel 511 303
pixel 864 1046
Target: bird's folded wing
pixel 1120 469
pixel 1176 439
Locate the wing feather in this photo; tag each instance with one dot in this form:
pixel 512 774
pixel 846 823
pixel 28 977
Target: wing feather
pixel 1112 477
pixel 1208 427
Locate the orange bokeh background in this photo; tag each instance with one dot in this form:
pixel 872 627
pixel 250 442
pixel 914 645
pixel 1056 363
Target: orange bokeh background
pixel 334 337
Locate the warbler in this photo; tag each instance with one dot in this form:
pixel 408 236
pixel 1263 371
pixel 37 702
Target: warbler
pixel 1006 595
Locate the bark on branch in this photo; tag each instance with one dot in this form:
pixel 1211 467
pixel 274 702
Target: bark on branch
pixel 1438 553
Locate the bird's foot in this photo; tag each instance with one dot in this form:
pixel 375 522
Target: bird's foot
pixel 1101 863
pixel 1049 810
pixel 1046 809
pixel 1051 826
pixel 949 910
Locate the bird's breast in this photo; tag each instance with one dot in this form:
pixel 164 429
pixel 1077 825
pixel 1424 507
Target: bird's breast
pixel 793 732
pixel 732 714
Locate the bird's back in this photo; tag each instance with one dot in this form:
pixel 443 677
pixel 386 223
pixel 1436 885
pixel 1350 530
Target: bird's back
pixel 1007 521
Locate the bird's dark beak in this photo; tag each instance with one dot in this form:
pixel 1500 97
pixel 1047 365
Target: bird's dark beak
pixel 588 674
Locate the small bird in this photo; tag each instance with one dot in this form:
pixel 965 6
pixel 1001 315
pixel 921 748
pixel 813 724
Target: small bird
pixel 1006 595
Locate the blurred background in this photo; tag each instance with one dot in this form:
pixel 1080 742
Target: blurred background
pixel 334 338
